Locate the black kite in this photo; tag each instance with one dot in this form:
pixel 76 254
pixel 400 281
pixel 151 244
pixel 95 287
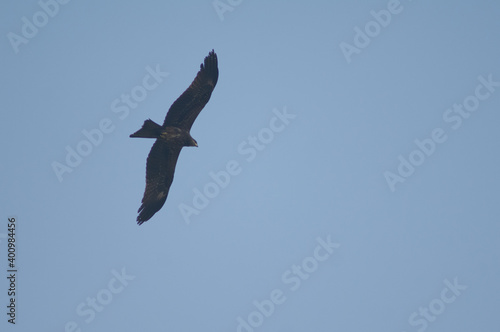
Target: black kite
pixel 173 136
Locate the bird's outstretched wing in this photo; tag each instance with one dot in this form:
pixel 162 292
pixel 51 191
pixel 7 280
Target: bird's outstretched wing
pixel 186 108
pixel 160 169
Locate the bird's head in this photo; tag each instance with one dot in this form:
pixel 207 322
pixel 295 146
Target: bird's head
pixel 191 142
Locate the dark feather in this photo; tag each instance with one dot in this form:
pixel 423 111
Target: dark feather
pixel 186 108
pixel 160 169
pixel 150 129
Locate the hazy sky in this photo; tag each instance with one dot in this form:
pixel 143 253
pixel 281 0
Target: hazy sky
pixel 346 177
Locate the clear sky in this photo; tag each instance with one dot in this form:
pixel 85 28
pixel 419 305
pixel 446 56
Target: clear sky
pixel 346 177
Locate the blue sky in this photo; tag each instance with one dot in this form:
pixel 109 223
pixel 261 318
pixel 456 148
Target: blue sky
pixel 346 177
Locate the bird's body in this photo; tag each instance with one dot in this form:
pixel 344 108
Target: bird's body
pixel 173 136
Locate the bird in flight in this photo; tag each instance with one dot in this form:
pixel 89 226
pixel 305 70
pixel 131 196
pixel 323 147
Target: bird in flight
pixel 172 136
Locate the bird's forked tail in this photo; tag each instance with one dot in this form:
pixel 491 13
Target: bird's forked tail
pixel 150 129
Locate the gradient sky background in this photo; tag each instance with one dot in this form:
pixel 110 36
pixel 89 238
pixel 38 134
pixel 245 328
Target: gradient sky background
pixel 321 176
